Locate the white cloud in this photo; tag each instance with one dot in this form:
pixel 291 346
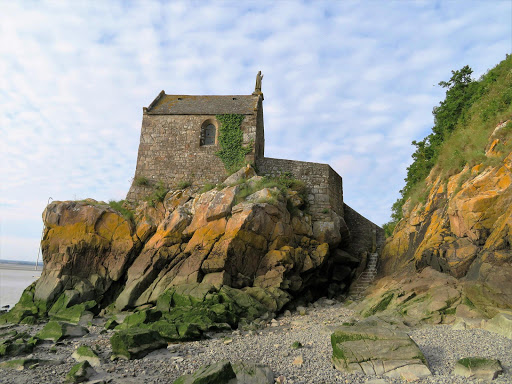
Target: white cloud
pixel 346 83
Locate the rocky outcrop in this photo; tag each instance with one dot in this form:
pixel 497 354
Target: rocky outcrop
pixel 192 261
pixel 462 229
pixel 374 347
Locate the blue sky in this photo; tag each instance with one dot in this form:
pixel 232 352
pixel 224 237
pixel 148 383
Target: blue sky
pixel 346 83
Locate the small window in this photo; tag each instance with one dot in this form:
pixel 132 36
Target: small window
pixel 208 135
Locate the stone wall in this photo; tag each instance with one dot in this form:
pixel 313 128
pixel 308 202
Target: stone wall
pixel 365 236
pixel 170 152
pixel 324 184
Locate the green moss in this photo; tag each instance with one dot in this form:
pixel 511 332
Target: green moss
pixel 18 363
pixel 78 372
pixel 135 342
pixel 380 306
pixel 85 350
pixel 473 362
pixel 468 302
pixel 74 313
pixel 51 331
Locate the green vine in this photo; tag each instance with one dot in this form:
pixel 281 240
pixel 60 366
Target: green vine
pixel 232 152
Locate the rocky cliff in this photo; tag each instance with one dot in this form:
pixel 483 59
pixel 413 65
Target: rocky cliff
pixel 242 250
pixel 463 228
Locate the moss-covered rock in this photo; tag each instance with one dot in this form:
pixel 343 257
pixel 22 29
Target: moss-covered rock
pixel 26 307
pixel 79 373
pixel 72 314
pixel 85 353
pixel 377 348
pixel 16 344
pixel 478 368
pixel 58 330
pixel 218 373
pixel 135 343
pixel 21 364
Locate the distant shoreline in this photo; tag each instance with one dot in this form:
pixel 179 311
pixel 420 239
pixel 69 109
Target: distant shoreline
pixel 20 265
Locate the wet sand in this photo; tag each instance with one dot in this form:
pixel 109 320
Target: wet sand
pixel 14 278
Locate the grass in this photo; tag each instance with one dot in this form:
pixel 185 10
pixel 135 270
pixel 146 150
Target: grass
pixel 207 187
pixel 282 183
pixel 120 207
pixel 141 181
pixel 158 194
pixel 184 184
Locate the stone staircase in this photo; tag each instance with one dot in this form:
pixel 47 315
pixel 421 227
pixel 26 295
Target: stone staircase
pixel 366 278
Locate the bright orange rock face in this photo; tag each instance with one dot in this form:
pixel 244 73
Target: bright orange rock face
pixel 462 229
pixel 92 252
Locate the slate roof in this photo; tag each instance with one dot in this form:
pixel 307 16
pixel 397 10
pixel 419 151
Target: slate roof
pixel 203 105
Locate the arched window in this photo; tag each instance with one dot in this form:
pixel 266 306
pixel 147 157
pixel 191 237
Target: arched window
pixel 208 133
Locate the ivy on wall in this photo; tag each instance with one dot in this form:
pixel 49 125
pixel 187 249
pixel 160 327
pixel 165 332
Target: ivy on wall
pixel 232 151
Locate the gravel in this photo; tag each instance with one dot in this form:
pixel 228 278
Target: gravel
pixel 272 346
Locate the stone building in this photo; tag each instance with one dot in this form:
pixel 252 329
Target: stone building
pixel 180 137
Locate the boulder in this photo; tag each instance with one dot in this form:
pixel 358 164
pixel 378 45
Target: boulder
pixel 377 348
pixel 218 373
pixel 225 372
pixel 501 324
pixel 79 373
pixel 85 353
pixel 134 343
pixel 478 368
pixel 21 364
pixel 16 344
pixel 58 330
pixel 250 373
pixel 245 173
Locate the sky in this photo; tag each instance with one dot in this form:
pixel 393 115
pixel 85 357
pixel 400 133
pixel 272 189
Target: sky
pixel 348 83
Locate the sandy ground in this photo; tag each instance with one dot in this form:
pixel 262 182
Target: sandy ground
pixel 14 278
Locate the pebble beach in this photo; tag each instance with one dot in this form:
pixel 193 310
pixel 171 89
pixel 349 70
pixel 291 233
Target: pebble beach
pixel 271 345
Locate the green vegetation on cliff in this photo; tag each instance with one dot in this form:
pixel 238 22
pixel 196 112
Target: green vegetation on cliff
pixel 463 122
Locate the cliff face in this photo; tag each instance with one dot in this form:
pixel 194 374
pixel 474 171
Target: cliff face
pixel 250 238
pixel 463 229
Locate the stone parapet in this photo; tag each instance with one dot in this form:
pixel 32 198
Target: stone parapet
pixel 325 188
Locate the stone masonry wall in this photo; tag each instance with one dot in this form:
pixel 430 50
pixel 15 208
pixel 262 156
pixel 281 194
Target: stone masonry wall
pixel 324 184
pixel 170 151
pixel 365 236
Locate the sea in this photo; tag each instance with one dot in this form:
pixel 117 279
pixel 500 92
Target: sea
pixel 15 276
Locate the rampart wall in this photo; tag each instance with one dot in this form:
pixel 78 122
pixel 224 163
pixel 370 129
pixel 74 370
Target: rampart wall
pixel 324 184
pixel 364 235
